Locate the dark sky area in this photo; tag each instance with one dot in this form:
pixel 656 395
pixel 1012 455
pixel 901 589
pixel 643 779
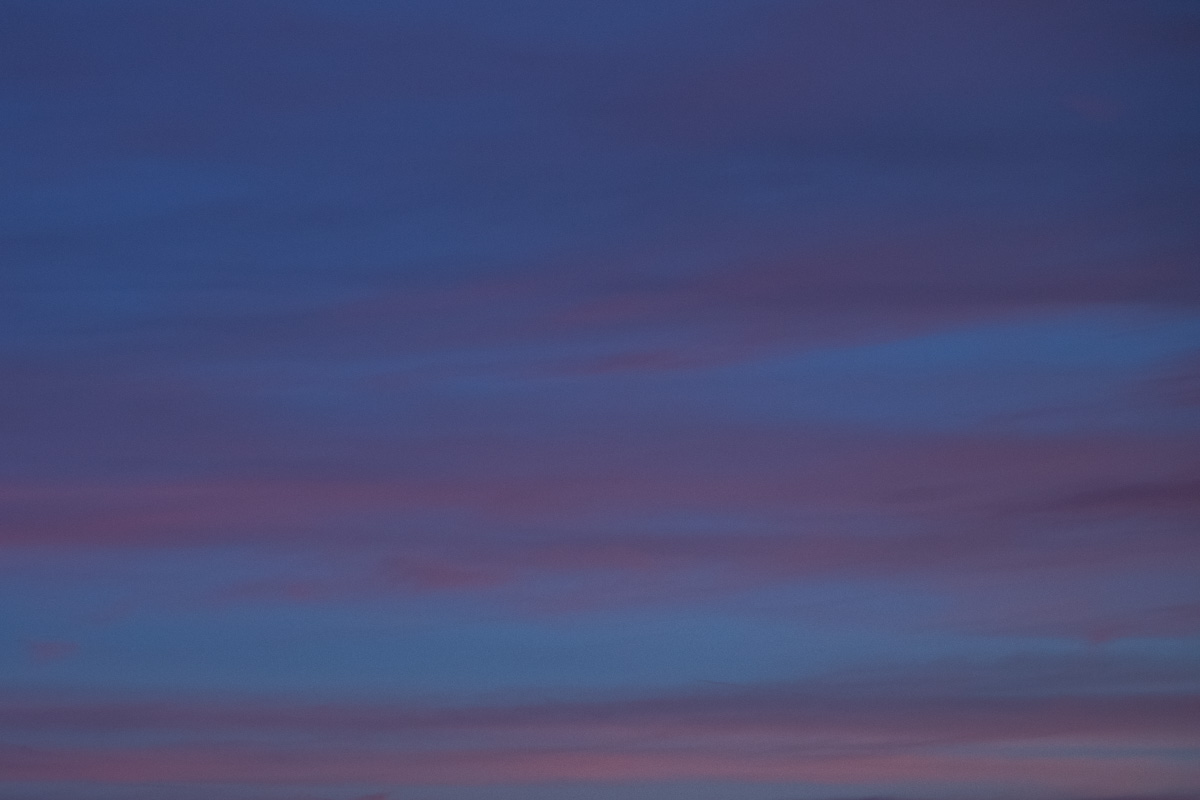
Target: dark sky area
pixel 625 400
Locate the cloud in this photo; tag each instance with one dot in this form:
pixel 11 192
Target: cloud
pixel 48 652
pixel 1081 702
pixel 874 318
pixel 458 768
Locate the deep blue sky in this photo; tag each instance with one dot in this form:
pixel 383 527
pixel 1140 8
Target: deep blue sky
pixel 720 400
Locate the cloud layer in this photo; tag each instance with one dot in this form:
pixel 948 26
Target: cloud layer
pixel 659 399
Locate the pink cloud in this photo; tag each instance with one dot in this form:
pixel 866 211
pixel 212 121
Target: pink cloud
pixel 49 652
pixel 892 713
pixel 483 767
pixel 1083 725
pixel 765 472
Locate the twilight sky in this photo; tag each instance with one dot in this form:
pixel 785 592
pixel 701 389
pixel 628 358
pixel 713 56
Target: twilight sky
pixel 627 400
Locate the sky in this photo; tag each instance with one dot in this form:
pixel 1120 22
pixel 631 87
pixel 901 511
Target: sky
pixel 631 400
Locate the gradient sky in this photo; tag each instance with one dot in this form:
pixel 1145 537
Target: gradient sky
pixel 627 400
